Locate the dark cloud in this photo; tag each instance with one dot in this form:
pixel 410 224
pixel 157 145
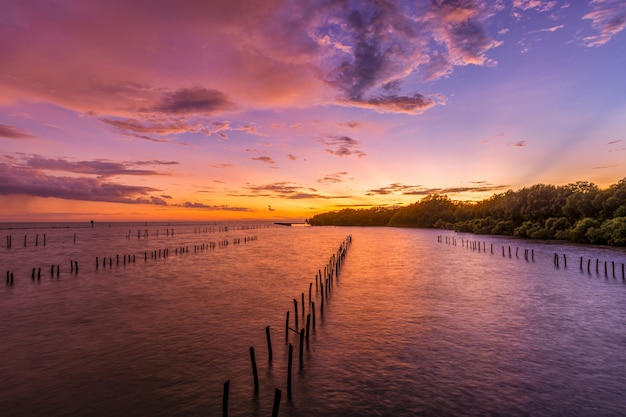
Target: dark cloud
pixel 25 180
pixel 519 144
pixel 414 104
pixel 373 46
pixel 12 132
pixel 342 146
pixel 194 101
pixel 100 168
pixel 292 157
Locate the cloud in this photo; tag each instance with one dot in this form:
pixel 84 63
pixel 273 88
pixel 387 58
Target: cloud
pixel 342 146
pixel 30 175
pixel 415 104
pixel 519 144
pixel 386 42
pixel 12 132
pixel 334 178
pixel 286 190
pixel 398 188
pixel 223 165
pixel 265 159
pixel 203 206
pixel 24 180
pixel 608 17
pixel 196 100
pixel 101 168
pixel 292 157
pixel 537 5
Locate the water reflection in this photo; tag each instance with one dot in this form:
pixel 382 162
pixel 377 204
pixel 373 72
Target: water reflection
pixel 412 326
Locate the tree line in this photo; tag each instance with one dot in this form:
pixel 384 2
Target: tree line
pixel 578 212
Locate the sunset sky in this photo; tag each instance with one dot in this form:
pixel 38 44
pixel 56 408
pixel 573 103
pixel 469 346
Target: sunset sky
pixel 216 109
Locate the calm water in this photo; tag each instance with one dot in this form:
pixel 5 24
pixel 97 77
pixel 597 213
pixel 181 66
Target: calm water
pixel 411 327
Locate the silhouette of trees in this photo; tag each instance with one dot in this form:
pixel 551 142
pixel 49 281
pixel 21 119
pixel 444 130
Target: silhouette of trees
pixel 580 212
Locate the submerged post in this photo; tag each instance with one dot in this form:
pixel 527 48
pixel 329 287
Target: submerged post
pixel 287 328
pixel 225 399
pixel 269 342
pixel 289 366
pixel 255 375
pixel 276 407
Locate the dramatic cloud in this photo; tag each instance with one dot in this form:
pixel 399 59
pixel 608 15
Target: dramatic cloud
pixel 28 181
pixel 608 17
pixel 30 175
pixel 100 168
pixel 383 43
pixel 13 132
pixel 341 146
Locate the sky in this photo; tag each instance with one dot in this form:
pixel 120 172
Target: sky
pixel 203 110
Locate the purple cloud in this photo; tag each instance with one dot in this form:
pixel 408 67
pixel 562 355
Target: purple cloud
pixel 12 132
pixel 342 146
pixel 608 17
pixel 196 100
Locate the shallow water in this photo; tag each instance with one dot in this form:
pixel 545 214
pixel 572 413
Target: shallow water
pixel 412 326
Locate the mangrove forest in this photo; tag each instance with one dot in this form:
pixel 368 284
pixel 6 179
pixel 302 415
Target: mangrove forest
pixel 578 212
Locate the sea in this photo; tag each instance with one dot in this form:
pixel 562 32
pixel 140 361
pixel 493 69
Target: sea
pixel 163 319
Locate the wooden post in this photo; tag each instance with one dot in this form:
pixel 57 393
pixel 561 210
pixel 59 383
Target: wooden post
pixel 302 304
pixel 269 342
pixel 289 366
pixel 276 407
pixel 308 325
pixel 287 328
pixel 255 375
pixel 225 399
pixel 564 261
pixel 310 287
pixel 301 345
pixel 295 311
pixel 313 304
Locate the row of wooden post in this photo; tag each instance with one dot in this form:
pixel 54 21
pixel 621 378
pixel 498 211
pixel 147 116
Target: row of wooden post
pixel 156 254
pixel 332 271
pixel 530 254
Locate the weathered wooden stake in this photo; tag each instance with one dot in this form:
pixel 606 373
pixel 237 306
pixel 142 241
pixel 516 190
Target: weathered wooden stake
pixel 564 261
pixel 276 407
pixel 302 304
pixel 225 399
pixel 289 366
pixel 301 346
pixel 310 287
pixel 313 304
pixel 308 325
pixel 287 328
pixel 295 311
pixel 269 342
pixel 255 375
